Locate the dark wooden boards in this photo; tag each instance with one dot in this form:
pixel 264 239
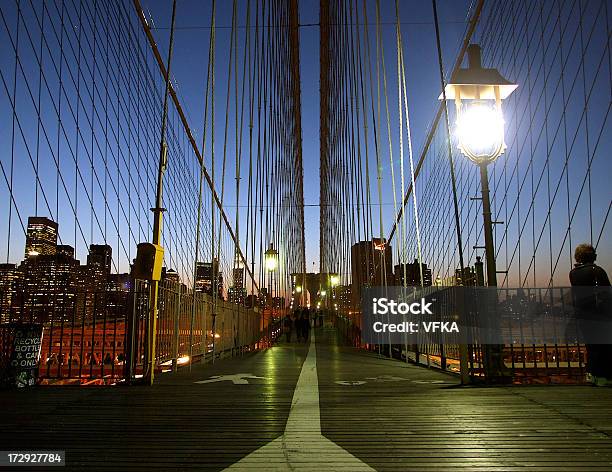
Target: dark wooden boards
pixel 390 415
pixel 415 425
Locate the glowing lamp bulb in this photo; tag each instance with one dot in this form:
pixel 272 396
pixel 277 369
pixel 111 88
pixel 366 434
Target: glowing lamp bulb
pixel 271 264
pixel 480 131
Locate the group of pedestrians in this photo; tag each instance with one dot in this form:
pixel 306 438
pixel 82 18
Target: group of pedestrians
pixel 300 321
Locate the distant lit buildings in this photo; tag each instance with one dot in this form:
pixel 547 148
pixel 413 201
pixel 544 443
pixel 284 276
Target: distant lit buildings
pixel 467 278
pixel 50 285
pixel 410 275
pixel 278 303
pixel 343 298
pixel 206 272
pixel 170 275
pixel 237 295
pixel 263 297
pixel 371 266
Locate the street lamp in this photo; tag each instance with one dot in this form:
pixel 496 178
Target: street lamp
pixel 271 259
pixel 334 280
pixel 478 93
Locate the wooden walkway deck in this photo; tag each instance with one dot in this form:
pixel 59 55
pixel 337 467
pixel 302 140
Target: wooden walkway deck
pixel 295 407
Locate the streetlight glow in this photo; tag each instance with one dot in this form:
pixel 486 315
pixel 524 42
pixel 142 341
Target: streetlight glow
pixel 271 259
pixel 335 280
pixel 478 93
pixel 480 131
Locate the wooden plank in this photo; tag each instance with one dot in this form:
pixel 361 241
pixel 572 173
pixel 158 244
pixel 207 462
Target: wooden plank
pixel 403 417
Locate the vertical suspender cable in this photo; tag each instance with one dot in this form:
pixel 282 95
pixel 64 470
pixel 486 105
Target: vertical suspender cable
pixel 157 211
pixel 201 184
pixel 410 155
pixel 448 135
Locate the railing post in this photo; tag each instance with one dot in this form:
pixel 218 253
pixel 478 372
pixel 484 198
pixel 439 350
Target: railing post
pixel 464 363
pixel 131 330
pixel 177 313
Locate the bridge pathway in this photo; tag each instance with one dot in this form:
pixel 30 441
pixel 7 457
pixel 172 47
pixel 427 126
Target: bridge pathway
pixel 371 413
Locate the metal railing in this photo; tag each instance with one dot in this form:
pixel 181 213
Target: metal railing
pixel 101 337
pixel 191 327
pixel 542 363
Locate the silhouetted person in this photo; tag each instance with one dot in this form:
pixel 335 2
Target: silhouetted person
pixel 305 324
pixel 299 325
pixel 287 327
pixel 591 305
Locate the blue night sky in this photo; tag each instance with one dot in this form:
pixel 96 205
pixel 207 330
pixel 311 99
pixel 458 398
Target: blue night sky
pixel 551 186
pixel 190 58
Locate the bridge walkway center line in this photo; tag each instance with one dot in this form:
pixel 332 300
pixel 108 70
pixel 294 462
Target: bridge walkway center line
pixel 302 447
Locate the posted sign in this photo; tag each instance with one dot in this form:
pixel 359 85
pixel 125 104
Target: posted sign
pixel 26 354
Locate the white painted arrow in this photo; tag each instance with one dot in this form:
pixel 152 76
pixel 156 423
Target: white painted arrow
pixel 302 447
pixel 237 379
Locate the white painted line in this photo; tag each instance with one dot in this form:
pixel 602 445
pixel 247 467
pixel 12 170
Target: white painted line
pixel 302 446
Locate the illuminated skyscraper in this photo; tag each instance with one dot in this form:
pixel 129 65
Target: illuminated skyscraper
pixel 100 256
pixel 92 280
pixel 237 292
pixel 10 277
pixel 49 286
pixel 41 237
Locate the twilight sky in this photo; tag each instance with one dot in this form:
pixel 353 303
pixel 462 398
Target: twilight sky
pixel 190 59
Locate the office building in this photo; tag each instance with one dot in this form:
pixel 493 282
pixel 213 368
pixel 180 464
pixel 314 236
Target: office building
pixel 410 275
pixel 41 237
pixel 371 266
pixel 10 278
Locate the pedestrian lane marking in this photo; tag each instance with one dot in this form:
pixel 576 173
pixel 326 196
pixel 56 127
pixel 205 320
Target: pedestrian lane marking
pixel 302 446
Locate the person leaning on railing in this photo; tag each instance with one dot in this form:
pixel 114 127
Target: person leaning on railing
pixel 592 306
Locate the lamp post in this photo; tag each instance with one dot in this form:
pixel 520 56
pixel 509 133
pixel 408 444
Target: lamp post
pixel 334 281
pixel 271 266
pixel 478 93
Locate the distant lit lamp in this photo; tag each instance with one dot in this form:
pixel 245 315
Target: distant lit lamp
pixel 298 289
pixel 334 280
pixel 271 259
